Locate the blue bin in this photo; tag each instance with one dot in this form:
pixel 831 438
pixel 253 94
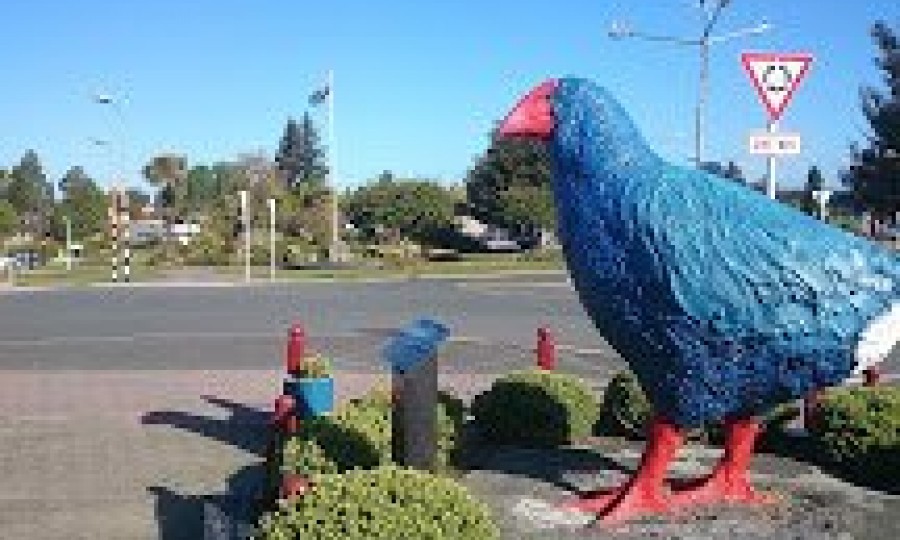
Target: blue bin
pixel 313 397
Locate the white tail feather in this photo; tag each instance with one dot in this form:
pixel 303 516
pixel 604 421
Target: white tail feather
pixel 877 340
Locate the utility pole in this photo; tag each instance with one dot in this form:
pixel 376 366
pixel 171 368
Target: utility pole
pixel 271 238
pixel 704 41
pixel 245 229
pixel 68 243
pixel 332 173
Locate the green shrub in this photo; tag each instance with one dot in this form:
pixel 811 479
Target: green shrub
pixel 206 250
pixel 857 430
pixel 625 409
pixel 536 409
pixel 358 435
pixel 385 503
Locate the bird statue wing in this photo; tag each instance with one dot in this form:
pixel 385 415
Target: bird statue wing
pixel 756 267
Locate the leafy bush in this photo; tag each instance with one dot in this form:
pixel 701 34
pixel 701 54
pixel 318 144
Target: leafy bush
pixel 358 435
pixel 625 409
pixel 535 408
pixel 384 503
pixel 206 250
pixel 313 367
pixel 625 412
pixel 857 430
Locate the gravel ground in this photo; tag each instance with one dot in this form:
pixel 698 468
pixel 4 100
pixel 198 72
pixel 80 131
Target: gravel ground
pixel 522 487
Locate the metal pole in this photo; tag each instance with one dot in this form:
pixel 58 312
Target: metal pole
pixel 271 238
pixel 770 165
pixel 68 243
pixel 332 170
pixel 246 230
pixel 702 99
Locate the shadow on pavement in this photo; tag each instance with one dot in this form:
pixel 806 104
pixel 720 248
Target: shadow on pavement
pixel 224 516
pixel 221 516
pixel 245 428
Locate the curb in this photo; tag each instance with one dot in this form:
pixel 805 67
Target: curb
pixel 282 281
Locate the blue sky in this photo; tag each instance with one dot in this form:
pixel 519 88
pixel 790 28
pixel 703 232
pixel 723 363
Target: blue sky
pixel 418 83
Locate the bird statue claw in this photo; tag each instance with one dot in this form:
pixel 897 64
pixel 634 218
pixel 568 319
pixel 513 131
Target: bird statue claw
pixel 720 488
pixel 622 504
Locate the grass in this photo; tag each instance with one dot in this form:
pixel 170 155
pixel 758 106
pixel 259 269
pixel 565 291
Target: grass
pixel 79 275
pixel 476 264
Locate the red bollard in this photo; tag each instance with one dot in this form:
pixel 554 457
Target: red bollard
pixel 296 349
pixel 546 349
pixel 293 485
pixel 284 417
pixel 871 376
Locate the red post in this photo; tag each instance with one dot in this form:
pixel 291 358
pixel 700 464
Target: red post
pixel 284 417
pixel 293 485
pixel 871 376
pixel 296 348
pixel 546 349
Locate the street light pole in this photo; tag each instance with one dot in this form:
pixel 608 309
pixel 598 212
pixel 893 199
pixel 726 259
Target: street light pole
pixel 621 31
pixel 701 102
pixel 245 226
pixel 271 239
pixel 332 171
pixel 68 243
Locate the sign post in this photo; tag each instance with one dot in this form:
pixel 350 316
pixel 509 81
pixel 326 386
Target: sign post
pixel 775 76
pixel 412 356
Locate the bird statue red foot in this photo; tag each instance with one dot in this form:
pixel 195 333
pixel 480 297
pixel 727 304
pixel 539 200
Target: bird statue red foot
pixel 728 482
pixel 647 492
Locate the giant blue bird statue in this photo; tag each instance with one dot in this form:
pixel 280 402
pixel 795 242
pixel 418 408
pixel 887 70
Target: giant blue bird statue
pixel 723 302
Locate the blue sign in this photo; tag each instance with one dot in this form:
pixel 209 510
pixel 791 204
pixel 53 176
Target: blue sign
pixel 414 344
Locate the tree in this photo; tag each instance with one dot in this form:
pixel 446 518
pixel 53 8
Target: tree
pixel 5 179
pixel 9 219
pixel 729 170
pixel 31 195
pixel 874 175
pixel 168 172
pixel 301 157
pixel 137 201
pixel 415 209
pixel 83 203
pixel 509 185
pixel 814 182
pixel 28 190
pixel 201 189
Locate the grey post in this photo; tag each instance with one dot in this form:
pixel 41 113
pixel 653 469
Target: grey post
pixel 412 355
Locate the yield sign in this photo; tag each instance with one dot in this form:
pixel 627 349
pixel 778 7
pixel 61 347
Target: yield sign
pixel 775 77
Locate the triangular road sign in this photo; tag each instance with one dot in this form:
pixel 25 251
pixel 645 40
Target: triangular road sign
pixel 776 76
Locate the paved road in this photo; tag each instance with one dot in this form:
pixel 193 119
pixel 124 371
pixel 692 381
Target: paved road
pixel 196 327
pixel 244 327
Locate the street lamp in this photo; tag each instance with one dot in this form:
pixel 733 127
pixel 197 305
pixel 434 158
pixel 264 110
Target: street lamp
pixel 105 99
pixel 619 30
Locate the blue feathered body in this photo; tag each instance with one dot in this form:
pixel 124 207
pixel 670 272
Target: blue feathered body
pixel 722 301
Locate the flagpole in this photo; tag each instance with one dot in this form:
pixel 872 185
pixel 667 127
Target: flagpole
pixel 332 170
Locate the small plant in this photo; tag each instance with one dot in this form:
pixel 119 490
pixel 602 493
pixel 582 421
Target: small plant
pixel 386 503
pixel 313 367
pixel 625 409
pixel 359 435
pixel 857 431
pixel 535 409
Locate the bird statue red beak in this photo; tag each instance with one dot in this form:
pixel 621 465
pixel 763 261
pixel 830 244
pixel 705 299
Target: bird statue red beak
pixel 533 115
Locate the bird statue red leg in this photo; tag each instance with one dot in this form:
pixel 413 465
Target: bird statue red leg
pixel 646 491
pixel 728 482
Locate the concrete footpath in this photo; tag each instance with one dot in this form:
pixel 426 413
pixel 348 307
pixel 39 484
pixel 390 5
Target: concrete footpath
pixel 131 455
pixel 127 455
